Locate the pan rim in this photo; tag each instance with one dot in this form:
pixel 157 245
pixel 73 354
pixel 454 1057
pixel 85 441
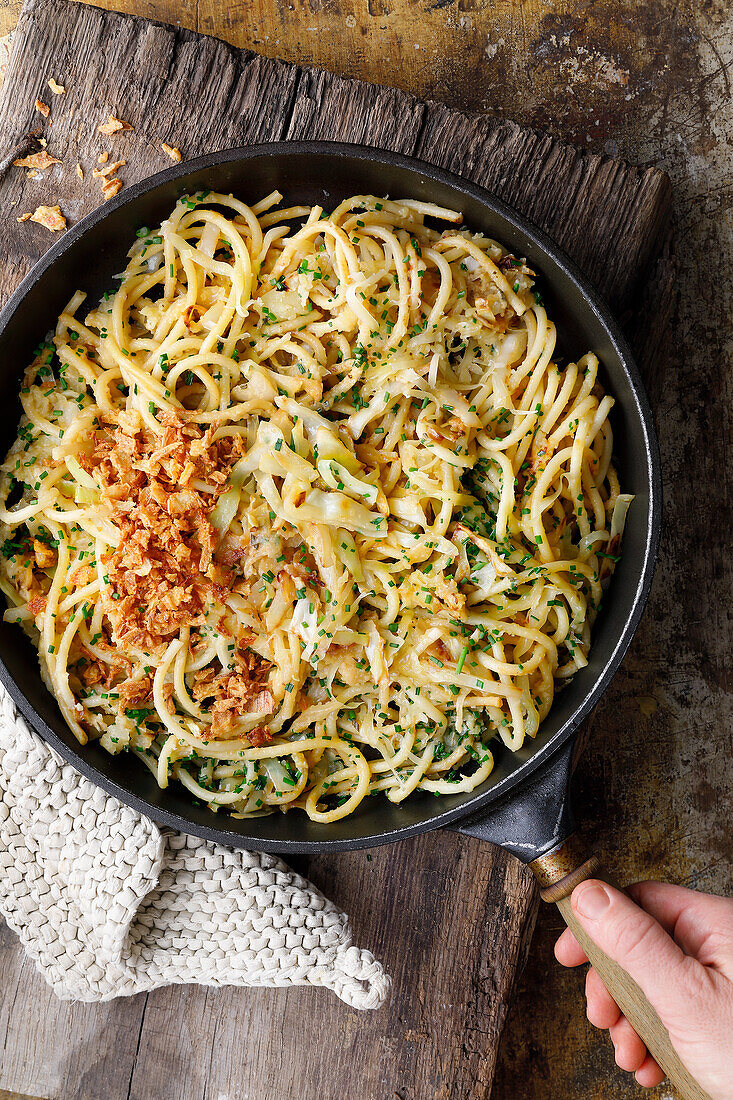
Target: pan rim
pixel 472 807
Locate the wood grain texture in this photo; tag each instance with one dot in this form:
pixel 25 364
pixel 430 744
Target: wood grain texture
pixel 605 214
pixel 451 918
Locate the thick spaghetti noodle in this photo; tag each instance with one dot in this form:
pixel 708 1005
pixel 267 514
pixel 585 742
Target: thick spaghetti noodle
pixel 301 515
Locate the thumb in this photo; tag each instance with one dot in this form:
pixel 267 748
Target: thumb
pixel 634 940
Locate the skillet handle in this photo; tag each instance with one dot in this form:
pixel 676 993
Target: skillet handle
pixel 559 872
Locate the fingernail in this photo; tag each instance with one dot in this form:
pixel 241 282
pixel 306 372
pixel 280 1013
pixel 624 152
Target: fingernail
pixel 592 901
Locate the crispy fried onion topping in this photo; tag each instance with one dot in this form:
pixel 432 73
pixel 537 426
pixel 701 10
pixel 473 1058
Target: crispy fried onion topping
pixel 163 577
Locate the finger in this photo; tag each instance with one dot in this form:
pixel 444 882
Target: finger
pixel 649 1075
pixel 690 917
pixel 568 951
pixel 662 900
pixel 602 1009
pixel 630 1051
pixel 633 939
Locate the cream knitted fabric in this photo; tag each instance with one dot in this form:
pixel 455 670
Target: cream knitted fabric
pixel 108 904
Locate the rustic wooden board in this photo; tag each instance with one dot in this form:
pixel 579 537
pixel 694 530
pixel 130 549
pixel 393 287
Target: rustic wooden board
pixel 449 916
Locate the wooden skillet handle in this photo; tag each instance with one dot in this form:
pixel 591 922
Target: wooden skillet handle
pixel 559 872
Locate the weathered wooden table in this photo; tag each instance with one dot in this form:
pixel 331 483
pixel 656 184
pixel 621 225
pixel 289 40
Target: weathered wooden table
pixel 651 84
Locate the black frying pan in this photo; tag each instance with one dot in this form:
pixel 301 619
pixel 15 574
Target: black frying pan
pixel 523 805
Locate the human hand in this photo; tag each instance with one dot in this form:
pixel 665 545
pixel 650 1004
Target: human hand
pixel 677 945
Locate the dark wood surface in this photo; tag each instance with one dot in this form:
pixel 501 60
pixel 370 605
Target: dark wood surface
pixel 450 917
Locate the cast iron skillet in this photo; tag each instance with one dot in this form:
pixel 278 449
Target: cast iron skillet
pixel 92 252
pixel 523 804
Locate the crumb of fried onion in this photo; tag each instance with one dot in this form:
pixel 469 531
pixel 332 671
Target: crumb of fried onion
pixel 50 217
pixel 112 125
pixel 39 160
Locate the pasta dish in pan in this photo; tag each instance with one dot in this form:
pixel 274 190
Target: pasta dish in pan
pixel 307 510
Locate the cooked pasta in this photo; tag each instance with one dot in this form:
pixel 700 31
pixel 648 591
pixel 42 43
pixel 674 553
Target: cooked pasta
pixel 308 510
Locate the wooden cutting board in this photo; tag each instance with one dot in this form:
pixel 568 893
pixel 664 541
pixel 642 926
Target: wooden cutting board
pixel 450 917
